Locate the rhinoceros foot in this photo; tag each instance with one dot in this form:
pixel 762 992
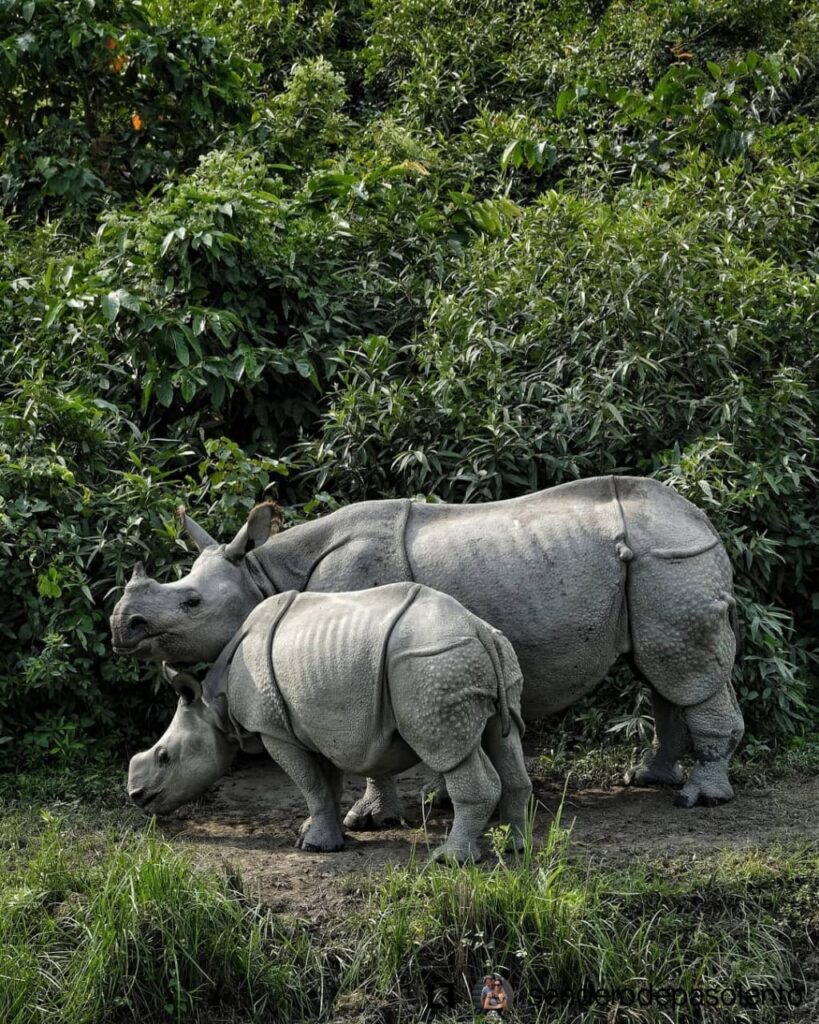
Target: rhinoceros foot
pixel 379 808
pixel 457 852
pixel 320 836
pixel 707 785
pixel 371 822
pixel 653 771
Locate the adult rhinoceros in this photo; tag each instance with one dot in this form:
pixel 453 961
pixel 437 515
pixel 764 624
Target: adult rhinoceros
pixel 575 576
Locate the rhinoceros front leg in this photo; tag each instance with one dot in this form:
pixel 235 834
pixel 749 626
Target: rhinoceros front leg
pixel 320 788
pixel 660 764
pixel 379 808
pixel 474 788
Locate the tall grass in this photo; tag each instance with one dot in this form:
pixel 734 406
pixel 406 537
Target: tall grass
pixel 134 933
pixel 97 929
pixel 560 926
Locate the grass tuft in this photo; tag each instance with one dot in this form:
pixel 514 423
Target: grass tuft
pixel 131 931
pixel 98 928
pixel 556 925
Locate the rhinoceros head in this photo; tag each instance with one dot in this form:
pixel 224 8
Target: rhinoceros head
pixel 193 618
pixel 195 750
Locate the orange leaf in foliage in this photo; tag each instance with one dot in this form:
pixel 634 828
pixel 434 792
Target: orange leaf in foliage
pixel 136 121
pixel 680 52
pixel 110 43
pixel 119 62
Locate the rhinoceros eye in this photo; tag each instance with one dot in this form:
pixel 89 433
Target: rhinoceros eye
pixel 192 602
pixel 162 756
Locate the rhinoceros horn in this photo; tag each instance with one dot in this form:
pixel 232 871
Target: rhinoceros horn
pixel 201 538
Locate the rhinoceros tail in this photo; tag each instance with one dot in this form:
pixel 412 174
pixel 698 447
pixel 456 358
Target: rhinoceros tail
pixel 733 617
pixel 507 675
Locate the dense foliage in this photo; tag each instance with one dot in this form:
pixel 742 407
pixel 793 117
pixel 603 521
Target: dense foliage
pixel 357 249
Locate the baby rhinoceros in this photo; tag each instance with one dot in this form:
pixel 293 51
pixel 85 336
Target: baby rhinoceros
pixel 369 682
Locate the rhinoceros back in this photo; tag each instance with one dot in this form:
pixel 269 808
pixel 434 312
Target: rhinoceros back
pixel 323 660
pixel 547 569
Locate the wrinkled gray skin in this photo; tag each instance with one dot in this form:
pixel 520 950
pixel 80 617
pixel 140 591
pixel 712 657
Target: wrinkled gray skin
pixel 369 682
pixel 576 577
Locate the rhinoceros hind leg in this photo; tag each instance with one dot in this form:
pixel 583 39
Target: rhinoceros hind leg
pixel 659 765
pixel 380 807
pixel 475 789
pixel 680 610
pixel 716 727
pixel 506 754
pixel 319 782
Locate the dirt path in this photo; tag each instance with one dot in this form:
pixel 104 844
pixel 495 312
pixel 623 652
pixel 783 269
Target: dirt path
pixel 252 818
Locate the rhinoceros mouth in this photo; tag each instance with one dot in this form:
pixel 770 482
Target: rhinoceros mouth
pixel 144 641
pixel 144 803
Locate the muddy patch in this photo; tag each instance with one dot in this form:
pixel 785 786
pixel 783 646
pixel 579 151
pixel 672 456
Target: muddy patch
pixel 251 819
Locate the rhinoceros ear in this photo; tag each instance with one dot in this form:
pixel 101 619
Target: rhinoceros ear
pixel 187 686
pixel 264 520
pixel 201 538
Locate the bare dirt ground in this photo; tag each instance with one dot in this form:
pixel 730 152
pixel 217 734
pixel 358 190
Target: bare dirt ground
pixel 252 818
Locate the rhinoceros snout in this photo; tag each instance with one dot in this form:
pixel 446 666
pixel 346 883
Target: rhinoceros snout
pixel 128 630
pixel 142 796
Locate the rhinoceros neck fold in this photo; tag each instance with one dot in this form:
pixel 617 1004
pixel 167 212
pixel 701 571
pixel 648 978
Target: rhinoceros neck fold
pixel 215 682
pixel 274 691
pixel 358 546
pixel 259 580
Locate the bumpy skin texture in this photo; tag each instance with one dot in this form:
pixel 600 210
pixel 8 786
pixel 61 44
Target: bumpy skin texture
pixel 575 577
pixel 373 682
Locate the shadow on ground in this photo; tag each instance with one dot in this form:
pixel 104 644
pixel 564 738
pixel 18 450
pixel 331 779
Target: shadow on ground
pixel 251 819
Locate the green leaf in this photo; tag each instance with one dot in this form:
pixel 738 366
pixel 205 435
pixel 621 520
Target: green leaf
pixel 511 154
pixel 564 98
pixel 47 585
pixel 164 391
pixel 182 351
pixel 110 306
pixel 217 391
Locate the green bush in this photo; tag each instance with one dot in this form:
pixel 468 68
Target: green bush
pixel 94 99
pixel 363 249
pixel 611 337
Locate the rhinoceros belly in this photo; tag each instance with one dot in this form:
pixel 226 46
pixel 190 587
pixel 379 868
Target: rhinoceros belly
pixel 545 570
